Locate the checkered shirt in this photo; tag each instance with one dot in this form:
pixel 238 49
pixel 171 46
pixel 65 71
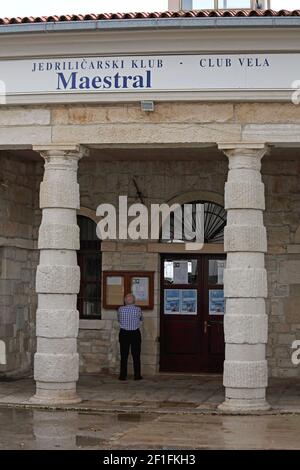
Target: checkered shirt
pixel 129 317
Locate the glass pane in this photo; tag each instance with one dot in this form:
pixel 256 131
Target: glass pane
pixel 91 308
pixel 281 4
pixel 203 4
pixel 91 291
pixel 234 3
pixel 210 4
pixel 91 267
pixel 215 271
pixel 180 271
pixel 178 229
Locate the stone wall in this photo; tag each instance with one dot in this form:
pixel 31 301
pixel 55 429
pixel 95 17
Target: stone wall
pixel 172 123
pixel 18 260
pixel 282 218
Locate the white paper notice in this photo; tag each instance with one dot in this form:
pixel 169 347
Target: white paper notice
pixel 114 281
pixel 181 272
pixel 221 266
pixel 140 289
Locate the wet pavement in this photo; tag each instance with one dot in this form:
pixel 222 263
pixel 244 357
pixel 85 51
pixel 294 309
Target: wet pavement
pixel 163 393
pixel 37 429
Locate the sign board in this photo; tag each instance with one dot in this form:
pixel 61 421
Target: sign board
pixel 165 73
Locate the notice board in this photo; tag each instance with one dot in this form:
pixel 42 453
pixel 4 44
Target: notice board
pixel 117 284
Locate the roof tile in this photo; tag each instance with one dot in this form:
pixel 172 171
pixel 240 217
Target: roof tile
pixel 144 15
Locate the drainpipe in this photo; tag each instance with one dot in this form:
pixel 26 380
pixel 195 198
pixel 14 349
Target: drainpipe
pixel 260 4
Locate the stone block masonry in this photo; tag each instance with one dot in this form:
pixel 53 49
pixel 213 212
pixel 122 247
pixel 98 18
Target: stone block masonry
pixel 18 261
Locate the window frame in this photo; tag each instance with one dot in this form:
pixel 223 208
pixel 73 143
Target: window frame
pixel 87 248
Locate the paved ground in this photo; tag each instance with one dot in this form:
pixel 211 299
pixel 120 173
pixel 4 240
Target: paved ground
pixel 160 394
pixel 39 429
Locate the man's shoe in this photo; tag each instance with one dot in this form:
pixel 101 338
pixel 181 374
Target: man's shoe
pixel 122 378
pixel 138 378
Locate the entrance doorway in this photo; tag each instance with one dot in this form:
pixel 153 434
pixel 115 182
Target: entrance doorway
pixel 192 312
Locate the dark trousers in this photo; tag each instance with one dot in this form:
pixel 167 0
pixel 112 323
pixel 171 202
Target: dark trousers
pixel 130 340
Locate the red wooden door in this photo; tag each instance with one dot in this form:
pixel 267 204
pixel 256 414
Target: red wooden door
pixel 191 333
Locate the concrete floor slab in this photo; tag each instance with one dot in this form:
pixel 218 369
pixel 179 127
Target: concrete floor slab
pixel 191 393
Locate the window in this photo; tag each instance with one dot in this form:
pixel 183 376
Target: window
pixel 214 223
pixel 180 271
pixel 89 261
pixel 232 4
pixel 211 4
pixel 238 4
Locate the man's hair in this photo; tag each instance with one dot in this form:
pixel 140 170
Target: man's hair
pixel 131 297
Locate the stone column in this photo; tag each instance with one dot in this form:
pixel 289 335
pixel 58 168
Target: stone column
pixel 245 281
pixel 56 362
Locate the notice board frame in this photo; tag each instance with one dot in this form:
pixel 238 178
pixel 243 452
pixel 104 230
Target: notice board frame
pixel 127 277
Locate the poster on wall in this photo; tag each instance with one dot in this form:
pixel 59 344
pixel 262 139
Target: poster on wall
pixel 216 302
pixel 181 272
pixel 188 304
pixel 181 301
pixel 221 266
pixel 140 290
pixel 172 301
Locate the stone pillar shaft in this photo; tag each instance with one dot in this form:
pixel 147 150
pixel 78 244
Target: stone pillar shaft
pixel 245 282
pixel 56 362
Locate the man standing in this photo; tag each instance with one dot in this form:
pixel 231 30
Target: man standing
pixel 130 317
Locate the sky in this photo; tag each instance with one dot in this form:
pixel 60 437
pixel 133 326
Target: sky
pixel 10 8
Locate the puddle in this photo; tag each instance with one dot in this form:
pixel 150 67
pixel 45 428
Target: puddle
pixel 39 429
pixel 87 441
pixel 176 404
pixel 129 417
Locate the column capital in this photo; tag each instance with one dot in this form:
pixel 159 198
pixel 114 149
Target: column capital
pixel 243 148
pixel 72 151
pixel 243 154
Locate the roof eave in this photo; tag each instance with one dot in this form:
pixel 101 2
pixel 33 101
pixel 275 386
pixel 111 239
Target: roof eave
pixel 153 23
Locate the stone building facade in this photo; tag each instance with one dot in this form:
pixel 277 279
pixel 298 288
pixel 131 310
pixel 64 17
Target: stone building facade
pixel 62 157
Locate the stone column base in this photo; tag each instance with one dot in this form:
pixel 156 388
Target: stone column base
pixel 55 397
pixel 234 406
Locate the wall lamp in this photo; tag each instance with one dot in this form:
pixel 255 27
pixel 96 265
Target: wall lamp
pixel 147 106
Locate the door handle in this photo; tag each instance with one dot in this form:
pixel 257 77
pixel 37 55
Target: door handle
pixel 206 325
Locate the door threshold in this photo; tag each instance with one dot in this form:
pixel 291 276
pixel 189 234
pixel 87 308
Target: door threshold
pixel 193 374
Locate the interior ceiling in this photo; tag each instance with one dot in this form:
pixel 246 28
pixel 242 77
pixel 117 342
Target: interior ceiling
pixel 155 153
